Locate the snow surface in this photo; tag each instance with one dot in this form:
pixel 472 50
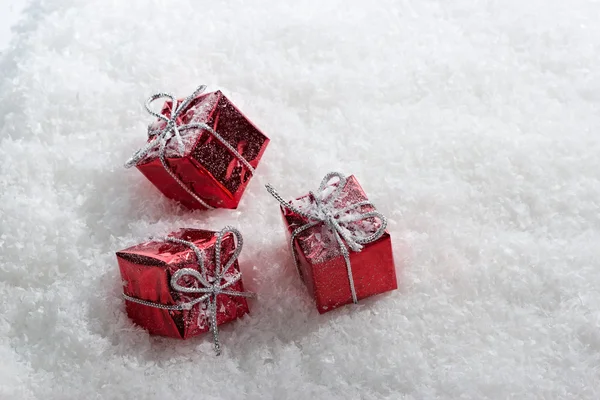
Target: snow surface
pixel 472 125
pixel 10 13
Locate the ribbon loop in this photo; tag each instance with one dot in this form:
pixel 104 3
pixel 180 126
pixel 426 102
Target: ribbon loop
pixel 238 249
pixel 186 102
pixel 189 272
pixel 211 285
pixel 336 218
pixel 325 183
pixel 160 137
pixel 155 97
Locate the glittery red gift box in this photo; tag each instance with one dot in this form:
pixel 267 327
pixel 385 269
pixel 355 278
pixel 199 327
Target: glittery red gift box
pixel 323 267
pixel 208 168
pixel 147 268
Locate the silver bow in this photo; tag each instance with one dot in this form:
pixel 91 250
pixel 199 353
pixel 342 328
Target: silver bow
pixel 212 286
pixel 336 219
pixel 161 137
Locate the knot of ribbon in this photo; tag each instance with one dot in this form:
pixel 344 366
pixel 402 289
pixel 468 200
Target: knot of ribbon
pixel 325 210
pixel 160 137
pixel 211 284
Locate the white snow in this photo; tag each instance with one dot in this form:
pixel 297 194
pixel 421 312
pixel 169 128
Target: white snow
pixel 474 126
pixel 10 14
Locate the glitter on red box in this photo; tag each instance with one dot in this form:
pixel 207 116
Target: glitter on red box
pixel 320 260
pixel 147 269
pixel 206 167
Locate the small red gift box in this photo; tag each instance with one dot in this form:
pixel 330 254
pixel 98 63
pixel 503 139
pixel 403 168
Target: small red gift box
pixel 209 153
pixel 340 245
pixel 174 287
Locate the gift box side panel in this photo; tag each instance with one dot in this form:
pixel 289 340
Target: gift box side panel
pixel 209 189
pixel 242 135
pixel 259 141
pixel 306 271
pixel 205 186
pixel 148 282
pixel 190 174
pixel 373 268
pixel 229 308
pixel 373 272
pixel 332 286
pixel 327 293
pixel 148 267
pixel 305 266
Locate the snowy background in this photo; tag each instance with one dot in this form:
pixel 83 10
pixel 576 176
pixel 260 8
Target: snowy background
pixel 10 13
pixel 473 125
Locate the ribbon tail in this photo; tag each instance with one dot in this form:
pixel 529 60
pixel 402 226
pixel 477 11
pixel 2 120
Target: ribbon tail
pixel 180 144
pixel 141 153
pixel 346 256
pixel 295 254
pixel 213 324
pixel 285 204
pixel 249 295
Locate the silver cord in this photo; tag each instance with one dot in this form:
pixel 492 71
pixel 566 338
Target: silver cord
pixel 209 291
pixel 161 137
pixel 336 220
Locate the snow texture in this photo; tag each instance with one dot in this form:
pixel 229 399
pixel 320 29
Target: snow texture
pixel 473 125
pixel 10 12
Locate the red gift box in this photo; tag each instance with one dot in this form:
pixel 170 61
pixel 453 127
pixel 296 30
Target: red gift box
pixel 341 247
pixel 210 153
pixel 174 287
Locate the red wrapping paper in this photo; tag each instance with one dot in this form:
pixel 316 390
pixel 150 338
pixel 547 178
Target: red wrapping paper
pixel 147 268
pixel 322 265
pixel 208 168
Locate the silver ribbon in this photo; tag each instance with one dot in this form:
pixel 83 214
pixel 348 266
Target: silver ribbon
pixel 161 137
pixel 336 219
pixel 212 286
